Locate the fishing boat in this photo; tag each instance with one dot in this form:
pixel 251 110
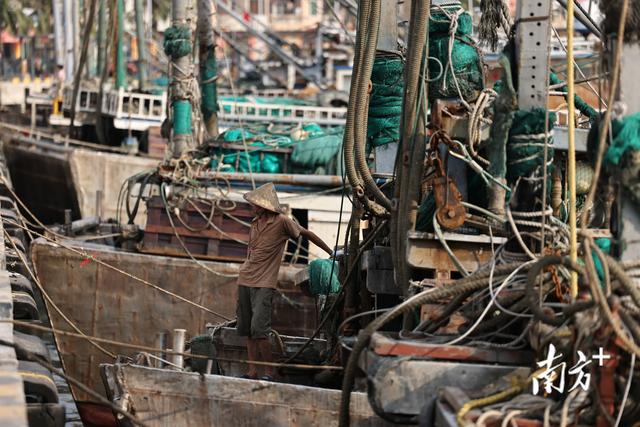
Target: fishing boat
pixel 121 307
pixel 462 274
pixel 485 303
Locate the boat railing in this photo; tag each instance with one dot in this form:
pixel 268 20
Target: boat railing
pixel 127 104
pixel 135 110
pixel 261 93
pixel 249 111
pixel 86 101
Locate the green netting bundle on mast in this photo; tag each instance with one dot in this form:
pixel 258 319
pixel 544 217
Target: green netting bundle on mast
pixel 385 104
pixel 455 68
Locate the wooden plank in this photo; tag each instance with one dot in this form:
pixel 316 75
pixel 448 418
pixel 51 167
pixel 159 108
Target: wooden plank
pixel 429 253
pixel 161 396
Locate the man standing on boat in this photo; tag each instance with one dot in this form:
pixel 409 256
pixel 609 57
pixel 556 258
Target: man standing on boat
pixel 258 277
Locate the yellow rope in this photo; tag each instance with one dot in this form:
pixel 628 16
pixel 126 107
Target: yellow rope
pixel 571 155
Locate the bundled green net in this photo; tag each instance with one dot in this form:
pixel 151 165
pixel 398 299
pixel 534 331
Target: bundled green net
pixel 525 149
pixel 208 72
pixel 317 152
pixel 626 138
pixel 580 103
pixel 321 281
pixel 605 246
pixel 426 211
pixel 177 42
pixel 314 149
pixel 385 105
pixel 463 56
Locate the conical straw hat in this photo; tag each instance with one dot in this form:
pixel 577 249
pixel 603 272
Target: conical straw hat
pixel 264 196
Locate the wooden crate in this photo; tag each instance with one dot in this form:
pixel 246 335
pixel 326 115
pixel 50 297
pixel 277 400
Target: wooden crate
pixel 222 241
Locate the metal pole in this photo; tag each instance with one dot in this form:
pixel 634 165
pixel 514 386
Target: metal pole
pixel 58 26
pixel 121 79
pixel 102 36
pixel 178 347
pixel 76 30
pixel 329 181
pixel 142 44
pixel 208 67
pixel 69 63
pixel 573 228
pixel 182 71
pixel 161 342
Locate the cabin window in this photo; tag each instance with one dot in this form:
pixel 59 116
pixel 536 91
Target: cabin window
pixel 285 7
pixel 256 7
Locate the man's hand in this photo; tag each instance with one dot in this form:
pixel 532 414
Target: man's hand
pixel 316 240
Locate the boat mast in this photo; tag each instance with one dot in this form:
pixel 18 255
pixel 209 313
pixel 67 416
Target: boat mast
pixel 178 41
pixel 120 66
pixel 102 36
pixel 142 45
pixel 208 67
pixel 69 63
pixel 58 25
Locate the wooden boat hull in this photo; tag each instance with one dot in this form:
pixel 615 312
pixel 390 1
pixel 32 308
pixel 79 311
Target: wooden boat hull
pixel 170 398
pixel 42 178
pixel 105 303
pixel 73 178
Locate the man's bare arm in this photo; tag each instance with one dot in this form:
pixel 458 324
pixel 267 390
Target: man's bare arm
pixel 313 237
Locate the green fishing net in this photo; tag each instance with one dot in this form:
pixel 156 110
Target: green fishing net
pixel 525 149
pixel 463 57
pixel 315 150
pixel 385 104
pixel 626 137
pixel 321 281
pixel 177 41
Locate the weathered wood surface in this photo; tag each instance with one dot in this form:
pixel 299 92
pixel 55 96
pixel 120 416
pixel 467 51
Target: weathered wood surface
pixel 170 398
pixel 107 304
pixel 95 170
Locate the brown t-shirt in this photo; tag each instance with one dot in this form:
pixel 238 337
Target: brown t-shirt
pixel 267 240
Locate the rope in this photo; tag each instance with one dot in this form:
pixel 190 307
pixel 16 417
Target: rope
pixel 184 247
pixel 162 350
pixel 35 279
